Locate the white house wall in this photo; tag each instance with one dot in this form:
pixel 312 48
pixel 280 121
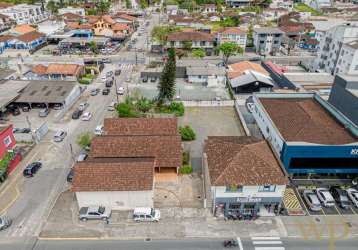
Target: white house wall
pixel 248 191
pixel 267 127
pixel 117 200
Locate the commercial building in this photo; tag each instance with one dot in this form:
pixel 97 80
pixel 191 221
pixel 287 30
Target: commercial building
pixel 25 13
pixel 309 134
pixel 267 40
pixel 242 175
pixel 330 47
pixel 344 96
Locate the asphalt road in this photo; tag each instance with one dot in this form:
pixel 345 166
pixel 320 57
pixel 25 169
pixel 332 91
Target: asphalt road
pixel 184 244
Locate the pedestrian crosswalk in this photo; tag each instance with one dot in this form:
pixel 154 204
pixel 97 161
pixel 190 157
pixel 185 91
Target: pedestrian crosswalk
pixel 267 243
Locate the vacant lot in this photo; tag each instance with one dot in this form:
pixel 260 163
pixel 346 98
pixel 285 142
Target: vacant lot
pixel 209 121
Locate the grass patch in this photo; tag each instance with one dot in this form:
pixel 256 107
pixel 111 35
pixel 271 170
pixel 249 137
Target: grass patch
pixel 301 7
pixel 176 108
pixel 186 169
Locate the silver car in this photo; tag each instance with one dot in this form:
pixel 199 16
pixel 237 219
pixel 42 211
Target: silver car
pixel 95 213
pixel 312 200
pixel 5 222
pixel 59 136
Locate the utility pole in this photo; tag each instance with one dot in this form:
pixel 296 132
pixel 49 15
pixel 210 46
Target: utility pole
pixel 136 57
pixel 115 84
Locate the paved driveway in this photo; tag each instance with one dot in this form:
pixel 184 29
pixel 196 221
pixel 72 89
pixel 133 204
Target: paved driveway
pixel 209 121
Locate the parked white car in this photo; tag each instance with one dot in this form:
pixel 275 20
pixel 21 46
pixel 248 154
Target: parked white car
pixel 146 214
pixel 353 195
pixel 86 116
pixel 120 91
pixel 98 130
pixel 312 200
pixel 112 106
pixel 325 197
pixel 83 106
pixel 59 135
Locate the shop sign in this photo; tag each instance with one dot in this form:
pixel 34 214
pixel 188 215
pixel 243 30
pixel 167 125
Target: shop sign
pixel 354 151
pixel 248 199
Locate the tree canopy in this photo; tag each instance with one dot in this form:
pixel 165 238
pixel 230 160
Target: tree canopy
pixel 229 49
pixel 166 84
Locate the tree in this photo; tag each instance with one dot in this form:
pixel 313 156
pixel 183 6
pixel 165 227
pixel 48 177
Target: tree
pixel 103 6
pixel 187 133
pixel 228 49
pixel 128 4
pixel 187 45
pixel 52 7
pixel 160 33
pixel 127 110
pixel 93 47
pixel 199 53
pixel 84 140
pixel 166 84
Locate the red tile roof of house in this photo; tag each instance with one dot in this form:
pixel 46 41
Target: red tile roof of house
pixel 190 36
pixel 39 69
pixel 233 31
pixel 121 175
pixel 4 38
pixel 140 126
pixel 64 69
pixel 71 16
pixel 127 17
pixel 242 160
pixel 166 149
pixel 24 28
pixel 237 69
pixel 29 37
pixel 120 27
pixel 305 120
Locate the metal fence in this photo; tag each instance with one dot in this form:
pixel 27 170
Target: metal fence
pixel 213 103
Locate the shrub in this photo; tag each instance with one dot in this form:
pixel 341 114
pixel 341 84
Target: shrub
pixel 126 110
pixel 84 81
pixel 84 139
pixel 186 158
pixel 187 169
pixel 187 133
pixel 177 108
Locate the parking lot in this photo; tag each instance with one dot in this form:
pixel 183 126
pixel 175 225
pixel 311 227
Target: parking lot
pixel 335 210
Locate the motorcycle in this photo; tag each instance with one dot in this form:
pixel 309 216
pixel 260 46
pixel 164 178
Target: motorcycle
pixel 230 243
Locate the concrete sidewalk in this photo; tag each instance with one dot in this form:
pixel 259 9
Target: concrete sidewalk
pixel 175 223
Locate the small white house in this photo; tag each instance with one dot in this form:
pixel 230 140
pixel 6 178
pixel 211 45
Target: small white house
pixel 242 175
pixel 213 76
pixel 121 185
pixel 76 11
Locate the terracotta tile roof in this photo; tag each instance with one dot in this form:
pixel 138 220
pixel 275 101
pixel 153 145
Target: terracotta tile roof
pixel 108 19
pixel 5 5
pixel 113 176
pixel 237 69
pixel 292 28
pixel 71 16
pixel 127 17
pixel 39 69
pixel 29 37
pixel 24 28
pixel 166 149
pixel 141 126
pixel 64 69
pixel 190 36
pixel 120 27
pixel 305 120
pixel 92 19
pixel 242 160
pixel 5 38
pixel 233 31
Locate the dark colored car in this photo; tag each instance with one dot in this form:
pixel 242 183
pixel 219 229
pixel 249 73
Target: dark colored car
pixel 340 196
pixel 109 83
pixel 117 72
pixel 145 79
pixel 14 110
pixel 70 175
pixel 105 91
pixel 25 108
pixel 77 114
pixel 31 169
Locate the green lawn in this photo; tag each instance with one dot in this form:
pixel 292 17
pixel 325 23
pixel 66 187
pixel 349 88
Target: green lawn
pixel 305 8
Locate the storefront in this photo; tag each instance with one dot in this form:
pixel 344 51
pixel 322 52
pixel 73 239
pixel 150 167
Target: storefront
pixel 264 206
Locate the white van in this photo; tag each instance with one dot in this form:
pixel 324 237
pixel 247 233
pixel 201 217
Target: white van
pixel 146 214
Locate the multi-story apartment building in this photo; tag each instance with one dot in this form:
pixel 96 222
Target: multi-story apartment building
pixel 331 45
pixel 25 13
pixel 267 40
pixel 5 22
pixel 233 35
pixel 238 3
pixel 348 59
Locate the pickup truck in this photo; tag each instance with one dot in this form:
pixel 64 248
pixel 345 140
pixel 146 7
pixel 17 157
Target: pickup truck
pixel 94 213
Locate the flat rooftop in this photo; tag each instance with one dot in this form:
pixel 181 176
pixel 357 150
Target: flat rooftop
pixel 305 120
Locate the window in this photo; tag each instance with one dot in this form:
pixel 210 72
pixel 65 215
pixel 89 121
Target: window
pixel 267 188
pixel 234 205
pixel 7 140
pixel 234 189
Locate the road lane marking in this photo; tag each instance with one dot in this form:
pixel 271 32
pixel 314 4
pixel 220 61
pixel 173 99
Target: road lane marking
pixel 269 248
pixel 337 209
pixel 239 243
pixel 266 242
pixel 265 238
